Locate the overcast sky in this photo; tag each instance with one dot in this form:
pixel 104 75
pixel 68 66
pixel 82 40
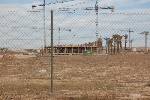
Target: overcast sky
pixel 126 4
pixel 15 1
pixel 21 28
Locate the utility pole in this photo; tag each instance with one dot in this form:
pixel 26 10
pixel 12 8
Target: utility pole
pixel 146 33
pixel 59 37
pixel 131 42
pixel 126 37
pixel 107 44
pixel 52 49
pixel 129 36
pixel 130 31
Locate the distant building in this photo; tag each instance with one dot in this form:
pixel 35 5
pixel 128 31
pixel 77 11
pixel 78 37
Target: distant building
pixel 94 47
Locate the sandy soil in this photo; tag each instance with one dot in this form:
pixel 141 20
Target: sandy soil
pixel 105 77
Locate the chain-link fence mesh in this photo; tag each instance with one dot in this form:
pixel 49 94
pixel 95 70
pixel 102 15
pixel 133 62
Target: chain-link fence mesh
pixel 24 29
pixel 25 66
pixel 20 28
pixel 83 26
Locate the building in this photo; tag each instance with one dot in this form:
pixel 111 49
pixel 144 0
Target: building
pixel 94 47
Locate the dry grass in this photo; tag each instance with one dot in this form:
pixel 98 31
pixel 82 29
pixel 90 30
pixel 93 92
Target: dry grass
pixel 115 77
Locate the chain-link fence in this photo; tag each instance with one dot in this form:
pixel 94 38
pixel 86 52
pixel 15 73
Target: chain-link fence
pixel 28 29
pixel 82 69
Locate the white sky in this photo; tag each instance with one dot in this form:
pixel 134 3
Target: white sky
pixel 20 28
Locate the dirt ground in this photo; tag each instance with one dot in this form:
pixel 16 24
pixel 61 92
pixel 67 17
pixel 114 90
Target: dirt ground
pixel 103 77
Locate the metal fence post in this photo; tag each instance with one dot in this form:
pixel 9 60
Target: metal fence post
pixel 52 48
